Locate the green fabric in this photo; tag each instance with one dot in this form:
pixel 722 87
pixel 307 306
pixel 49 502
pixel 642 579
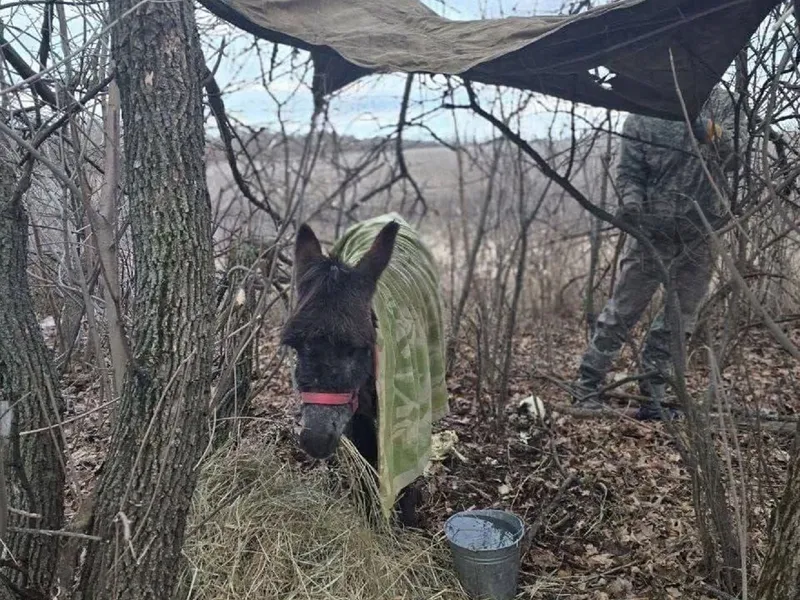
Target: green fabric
pixel 412 394
pixel 641 46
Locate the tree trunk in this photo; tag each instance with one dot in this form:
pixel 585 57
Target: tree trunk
pixel 780 575
pixel 33 467
pixel 160 430
pixel 104 226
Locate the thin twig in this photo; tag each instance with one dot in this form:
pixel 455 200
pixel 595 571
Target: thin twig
pixel 70 420
pixel 56 533
pixel 57 172
pixel 226 133
pixel 24 513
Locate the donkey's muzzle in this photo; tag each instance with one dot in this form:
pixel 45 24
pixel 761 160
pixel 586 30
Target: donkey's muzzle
pixel 321 427
pixel 318 444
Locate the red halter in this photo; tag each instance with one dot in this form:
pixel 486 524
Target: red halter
pixel 338 398
pixel 331 399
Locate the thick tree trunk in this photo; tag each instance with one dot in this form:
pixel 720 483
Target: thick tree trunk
pixel 33 466
pixel 160 430
pixel 780 575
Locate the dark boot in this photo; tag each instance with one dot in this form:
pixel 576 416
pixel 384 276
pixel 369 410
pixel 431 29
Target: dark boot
pixel 653 409
pixel 584 393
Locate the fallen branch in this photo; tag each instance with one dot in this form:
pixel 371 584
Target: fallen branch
pixel 605 412
pixel 788 427
pixel 608 394
pixel 745 417
pixel 717 593
pixel 544 514
pixel 23 513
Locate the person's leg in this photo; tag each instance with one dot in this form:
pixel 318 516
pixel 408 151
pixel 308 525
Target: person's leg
pixel 655 357
pixel 635 287
pixel 691 273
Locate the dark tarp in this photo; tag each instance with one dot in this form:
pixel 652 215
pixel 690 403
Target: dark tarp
pixel 553 55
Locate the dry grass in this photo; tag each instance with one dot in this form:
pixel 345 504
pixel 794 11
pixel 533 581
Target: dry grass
pixel 263 529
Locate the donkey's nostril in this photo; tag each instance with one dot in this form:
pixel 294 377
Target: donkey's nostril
pixel 317 444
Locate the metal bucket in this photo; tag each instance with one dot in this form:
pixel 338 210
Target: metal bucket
pixel 486 552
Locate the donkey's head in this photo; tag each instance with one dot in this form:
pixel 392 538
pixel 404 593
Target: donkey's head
pixel 333 333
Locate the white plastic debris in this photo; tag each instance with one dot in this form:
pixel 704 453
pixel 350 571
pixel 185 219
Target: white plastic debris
pixel 533 406
pixel 443 444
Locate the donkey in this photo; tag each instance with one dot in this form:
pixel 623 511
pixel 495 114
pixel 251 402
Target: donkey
pixel 332 331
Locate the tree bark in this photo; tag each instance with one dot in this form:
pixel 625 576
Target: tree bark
pixel 780 574
pixel 161 429
pixel 104 225
pixel 33 466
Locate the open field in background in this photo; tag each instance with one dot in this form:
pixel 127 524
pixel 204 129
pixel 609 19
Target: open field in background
pixel 558 253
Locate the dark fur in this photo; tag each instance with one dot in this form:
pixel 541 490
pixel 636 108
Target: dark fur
pixel 332 331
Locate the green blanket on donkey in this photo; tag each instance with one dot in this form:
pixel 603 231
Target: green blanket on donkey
pixel 412 394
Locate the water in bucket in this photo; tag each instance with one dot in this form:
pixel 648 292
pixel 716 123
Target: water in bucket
pixel 486 552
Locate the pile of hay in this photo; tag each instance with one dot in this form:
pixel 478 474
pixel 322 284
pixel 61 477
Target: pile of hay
pixel 263 529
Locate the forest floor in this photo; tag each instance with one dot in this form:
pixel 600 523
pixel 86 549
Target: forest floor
pixel 608 499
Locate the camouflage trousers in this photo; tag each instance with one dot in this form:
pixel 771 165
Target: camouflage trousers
pixel 689 266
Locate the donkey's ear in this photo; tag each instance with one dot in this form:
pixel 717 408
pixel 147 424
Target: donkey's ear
pixel 377 257
pixel 307 250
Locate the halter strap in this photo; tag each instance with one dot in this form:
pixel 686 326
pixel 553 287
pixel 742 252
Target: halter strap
pixel 331 399
pixel 338 398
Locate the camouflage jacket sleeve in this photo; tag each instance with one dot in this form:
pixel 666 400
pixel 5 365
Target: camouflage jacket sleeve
pixel 720 108
pixel 632 165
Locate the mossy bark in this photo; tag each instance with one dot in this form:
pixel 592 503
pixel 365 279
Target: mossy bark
pixel 161 428
pixel 34 463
